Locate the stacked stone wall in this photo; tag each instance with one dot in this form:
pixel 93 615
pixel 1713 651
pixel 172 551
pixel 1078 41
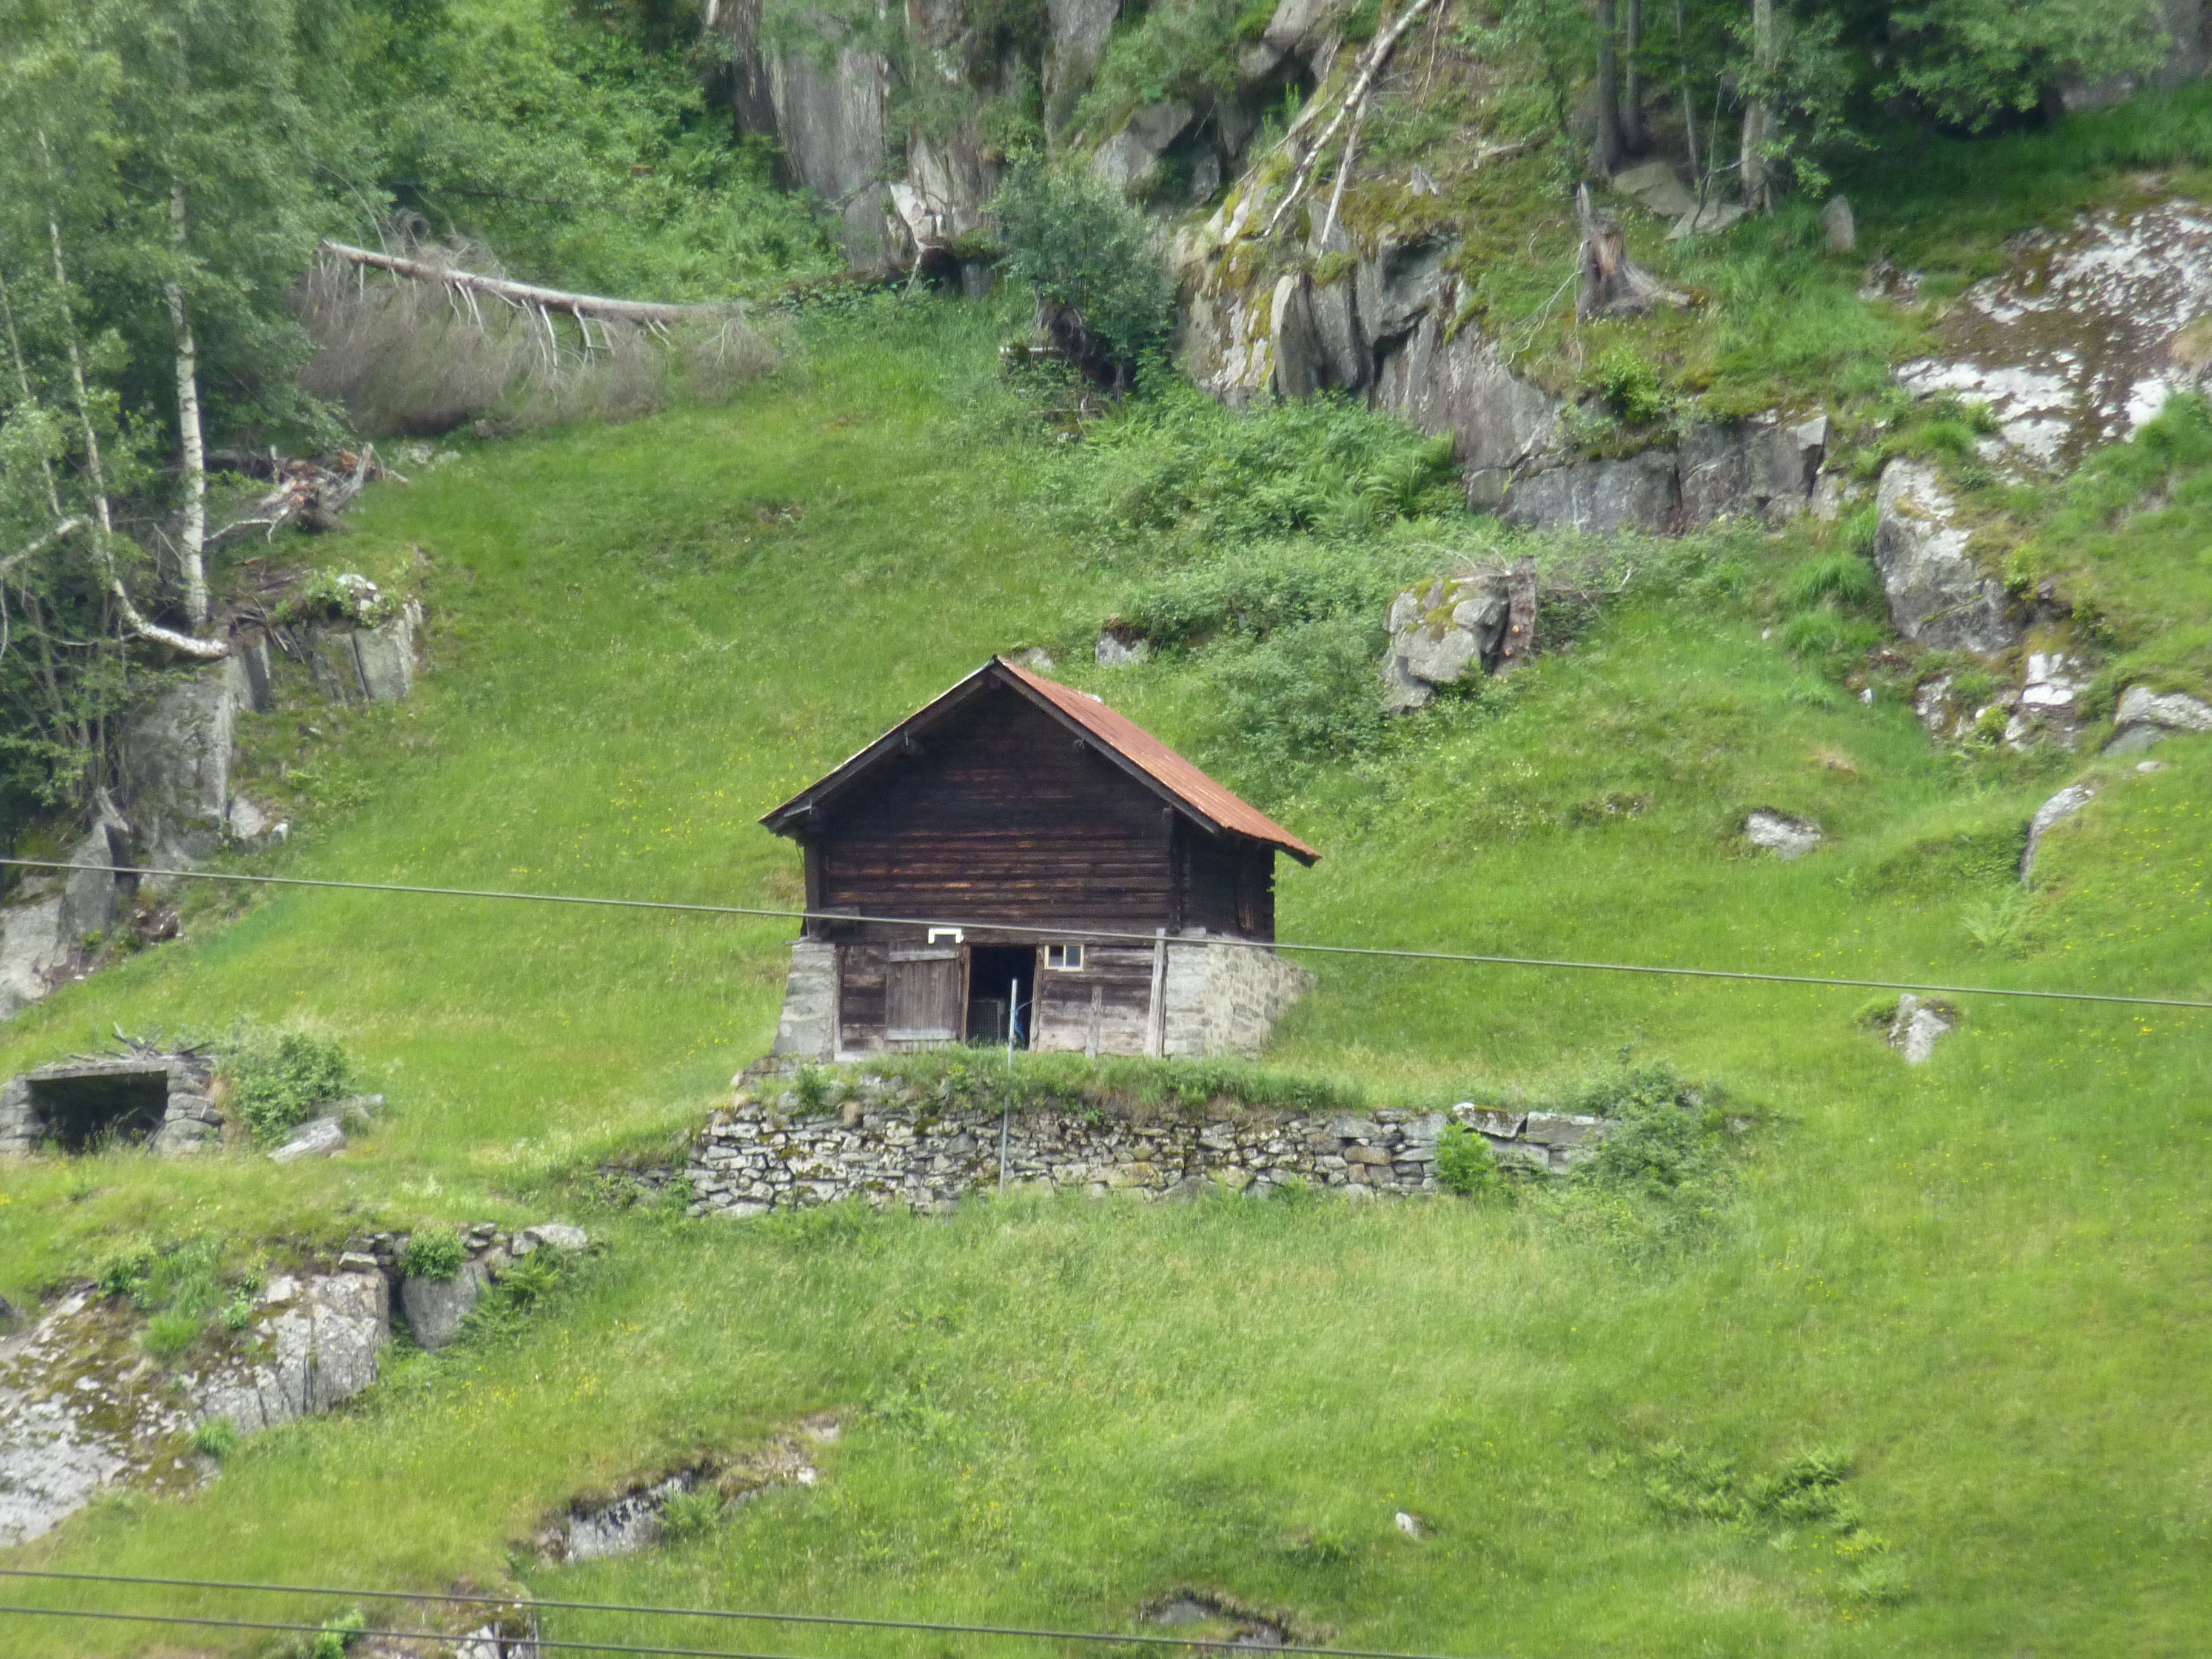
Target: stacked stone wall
pixel 889 1150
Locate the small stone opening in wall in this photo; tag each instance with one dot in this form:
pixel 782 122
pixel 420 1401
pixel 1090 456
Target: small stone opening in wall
pixel 101 1106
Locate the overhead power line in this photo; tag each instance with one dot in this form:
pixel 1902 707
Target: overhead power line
pixel 1464 958
pixel 636 1610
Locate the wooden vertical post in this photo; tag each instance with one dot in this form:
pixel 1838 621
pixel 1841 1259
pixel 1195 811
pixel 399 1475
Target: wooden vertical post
pixel 1156 1017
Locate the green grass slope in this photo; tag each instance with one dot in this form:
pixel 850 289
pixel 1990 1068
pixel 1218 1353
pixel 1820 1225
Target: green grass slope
pixel 1983 1282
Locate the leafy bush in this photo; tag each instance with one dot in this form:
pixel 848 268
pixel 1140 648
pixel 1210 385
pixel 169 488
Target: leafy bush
pixel 693 1513
pixel 1174 466
pixel 1624 381
pixel 434 1253
pixel 1466 1165
pixel 1296 700
pixel 1089 258
pixel 278 1079
pixel 1254 591
pixel 125 1269
pixel 337 1635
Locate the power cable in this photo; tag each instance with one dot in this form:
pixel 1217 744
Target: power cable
pixel 537 1604
pixel 1467 958
pixel 204 1621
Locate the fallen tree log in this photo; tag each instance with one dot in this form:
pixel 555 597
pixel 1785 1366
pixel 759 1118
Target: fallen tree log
pixel 528 295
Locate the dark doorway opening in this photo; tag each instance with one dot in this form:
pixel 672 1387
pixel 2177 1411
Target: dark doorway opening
pixel 85 1111
pixel 1001 978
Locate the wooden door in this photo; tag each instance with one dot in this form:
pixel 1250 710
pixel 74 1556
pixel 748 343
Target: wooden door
pixel 924 994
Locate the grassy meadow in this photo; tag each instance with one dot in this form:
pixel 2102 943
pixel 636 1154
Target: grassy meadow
pixel 1982 1284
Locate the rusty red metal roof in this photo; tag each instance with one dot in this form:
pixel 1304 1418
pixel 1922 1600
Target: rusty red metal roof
pixel 1127 741
pixel 1161 763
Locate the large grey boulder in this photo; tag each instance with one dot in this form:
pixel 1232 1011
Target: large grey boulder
pixel 1442 632
pixel 556 1235
pixel 2145 717
pixel 1938 595
pixel 1310 30
pixel 2056 810
pixel 318 1136
pixel 44 934
pixel 317 1343
pixel 435 1307
pixel 1077 32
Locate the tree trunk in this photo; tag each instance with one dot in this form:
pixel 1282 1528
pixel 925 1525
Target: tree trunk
pixel 193 537
pixel 1605 152
pixel 103 536
pixel 1758 123
pixel 1682 75
pixel 1632 82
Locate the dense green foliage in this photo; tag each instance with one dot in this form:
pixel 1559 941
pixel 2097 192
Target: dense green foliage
pixel 1088 257
pixel 278 1078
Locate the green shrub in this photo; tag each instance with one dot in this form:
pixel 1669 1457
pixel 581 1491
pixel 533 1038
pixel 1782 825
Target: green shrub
pixel 278 1079
pixel 217 1437
pixel 337 1635
pixel 434 1253
pixel 1254 591
pixel 1294 702
pixel 124 1269
pixel 1089 258
pixel 691 1514
pixel 1624 381
pixel 1466 1165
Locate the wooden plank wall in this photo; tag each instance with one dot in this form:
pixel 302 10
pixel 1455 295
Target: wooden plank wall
pixel 1000 814
pixel 1102 1008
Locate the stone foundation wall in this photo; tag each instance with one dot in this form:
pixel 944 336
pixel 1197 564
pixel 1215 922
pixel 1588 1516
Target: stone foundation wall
pixel 889 1150
pixel 1223 1000
pixel 190 1121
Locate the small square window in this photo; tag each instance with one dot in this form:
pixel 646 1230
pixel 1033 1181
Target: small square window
pixel 1066 956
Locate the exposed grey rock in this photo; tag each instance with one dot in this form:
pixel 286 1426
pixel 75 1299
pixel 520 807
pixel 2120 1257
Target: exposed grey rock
pixel 174 760
pixel 2150 766
pixel 367 665
pixel 1918 1025
pixel 552 1235
pixel 1715 216
pixel 1657 188
pixel 1307 29
pixel 1116 650
pixel 1133 155
pixel 435 1307
pixel 2145 717
pixel 323 1348
pixel 2056 810
pixel 1938 595
pixel 1600 498
pixel 1499 422
pixel 58 1447
pixel 1077 34
pixel 1480 621
pixel 2049 701
pixel 1839 225
pixel 2072 345
pixel 318 1137
pixel 1784 836
pixel 622 1528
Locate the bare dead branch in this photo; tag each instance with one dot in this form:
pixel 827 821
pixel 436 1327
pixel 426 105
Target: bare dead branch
pixel 528 295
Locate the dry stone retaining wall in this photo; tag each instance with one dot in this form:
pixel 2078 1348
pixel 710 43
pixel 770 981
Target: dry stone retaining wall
pixel 889 1150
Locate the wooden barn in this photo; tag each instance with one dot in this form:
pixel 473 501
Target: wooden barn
pixel 987 859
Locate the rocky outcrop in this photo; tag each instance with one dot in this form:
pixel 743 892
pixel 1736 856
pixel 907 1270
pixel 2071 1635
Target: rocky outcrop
pixel 1779 833
pixel 2084 337
pixel 1443 632
pixel 48 928
pixel 2145 717
pixel 81 1409
pixel 1918 1025
pixel 365 665
pixel 1938 595
pixel 2055 811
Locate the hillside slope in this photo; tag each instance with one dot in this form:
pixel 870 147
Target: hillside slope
pixel 1982 1283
